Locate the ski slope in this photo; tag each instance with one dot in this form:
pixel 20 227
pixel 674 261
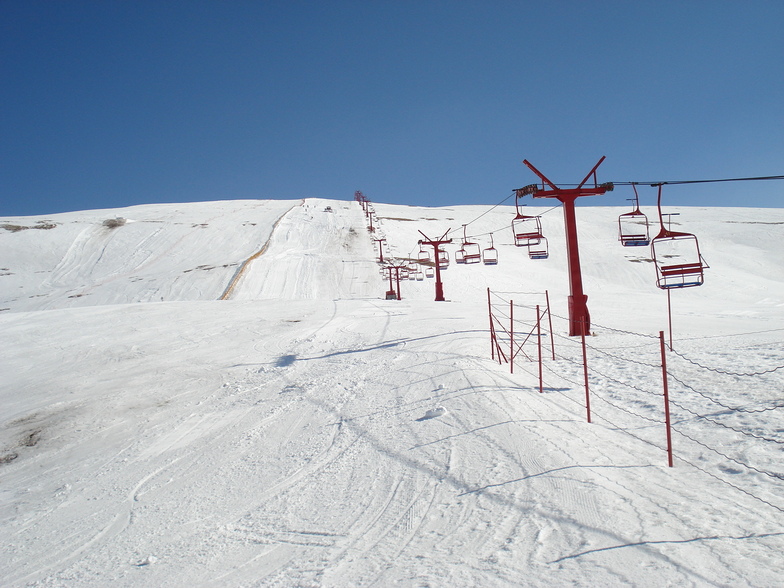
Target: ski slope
pixel 303 431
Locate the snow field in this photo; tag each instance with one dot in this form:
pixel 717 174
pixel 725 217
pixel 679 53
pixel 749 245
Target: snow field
pixel 306 432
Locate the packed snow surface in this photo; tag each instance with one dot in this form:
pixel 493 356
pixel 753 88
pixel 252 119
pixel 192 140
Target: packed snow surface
pixel 219 394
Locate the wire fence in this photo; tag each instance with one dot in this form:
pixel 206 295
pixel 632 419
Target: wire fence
pixel 723 421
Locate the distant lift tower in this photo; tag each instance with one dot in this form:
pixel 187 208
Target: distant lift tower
pixel 437 251
pixel 579 318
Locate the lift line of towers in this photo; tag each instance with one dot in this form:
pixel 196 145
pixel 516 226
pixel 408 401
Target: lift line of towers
pixel 676 255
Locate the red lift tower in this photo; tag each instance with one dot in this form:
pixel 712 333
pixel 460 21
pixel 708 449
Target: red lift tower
pixel 435 244
pixel 380 250
pixel 391 293
pixel 579 317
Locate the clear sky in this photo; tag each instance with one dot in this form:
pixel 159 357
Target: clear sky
pixel 112 103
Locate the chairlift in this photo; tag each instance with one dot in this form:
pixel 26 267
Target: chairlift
pixel 443 259
pixel 490 254
pixel 424 256
pixel 527 230
pixel 430 271
pixel 413 268
pixel 539 251
pixel 460 256
pixel 420 275
pixel 633 226
pixel 677 257
pixel 472 253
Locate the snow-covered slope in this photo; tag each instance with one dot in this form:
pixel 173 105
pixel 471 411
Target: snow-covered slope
pixel 303 431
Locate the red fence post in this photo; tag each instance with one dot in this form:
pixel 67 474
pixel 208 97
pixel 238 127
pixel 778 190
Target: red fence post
pixel 585 375
pixel 669 315
pixel 492 330
pixel 539 345
pixel 550 320
pixel 511 337
pixel 666 399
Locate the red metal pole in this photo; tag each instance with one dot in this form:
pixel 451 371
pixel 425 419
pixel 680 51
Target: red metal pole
pixel 511 337
pixel 669 316
pixel 439 284
pixel 579 319
pixel 492 329
pixel 397 279
pixel 585 375
pixel 550 320
pixel 666 399
pixel 539 343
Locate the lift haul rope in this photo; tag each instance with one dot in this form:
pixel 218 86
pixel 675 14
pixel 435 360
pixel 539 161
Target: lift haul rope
pixel 630 183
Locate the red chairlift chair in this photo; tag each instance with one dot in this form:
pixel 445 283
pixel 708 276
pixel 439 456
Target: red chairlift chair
pixel 539 251
pixel 424 256
pixel 633 226
pixel 460 256
pixel 527 230
pixel 413 268
pixel 490 255
pixel 443 259
pixel 430 271
pixel 677 257
pixel 472 253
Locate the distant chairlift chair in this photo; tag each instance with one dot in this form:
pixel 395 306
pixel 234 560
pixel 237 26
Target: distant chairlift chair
pixel 472 253
pixel 490 255
pixel 633 226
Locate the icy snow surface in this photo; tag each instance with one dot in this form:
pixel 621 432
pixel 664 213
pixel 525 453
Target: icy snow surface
pixel 218 394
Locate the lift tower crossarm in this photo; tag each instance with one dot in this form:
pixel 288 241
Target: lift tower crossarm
pixel 579 318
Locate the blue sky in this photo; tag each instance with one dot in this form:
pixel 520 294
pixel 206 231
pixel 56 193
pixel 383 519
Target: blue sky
pixel 110 103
